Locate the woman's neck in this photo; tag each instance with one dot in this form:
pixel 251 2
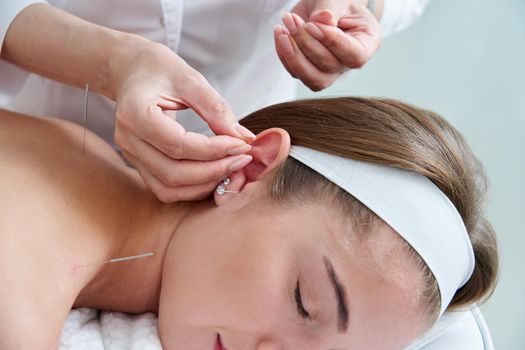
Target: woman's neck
pixel 134 286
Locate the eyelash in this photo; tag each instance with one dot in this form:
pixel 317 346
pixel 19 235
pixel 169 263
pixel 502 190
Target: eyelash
pixel 298 300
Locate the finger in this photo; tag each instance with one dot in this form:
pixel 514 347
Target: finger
pixel 277 32
pixel 328 11
pixel 214 109
pixel 191 193
pixel 167 194
pixel 169 137
pixel 312 48
pixel 350 51
pixel 171 103
pixel 172 173
pixel 302 68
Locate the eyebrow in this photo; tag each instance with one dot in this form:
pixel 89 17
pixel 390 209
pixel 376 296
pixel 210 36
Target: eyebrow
pixel 340 293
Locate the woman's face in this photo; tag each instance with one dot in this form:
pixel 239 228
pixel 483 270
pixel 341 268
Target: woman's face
pixel 285 277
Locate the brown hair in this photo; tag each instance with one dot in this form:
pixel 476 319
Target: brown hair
pixel 393 133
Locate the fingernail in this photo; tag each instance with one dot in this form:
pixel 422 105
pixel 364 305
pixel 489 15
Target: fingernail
pixel 244 132
pixel 239 149
pixel 240 162
pixel 289 23
pixel 299 22
pixel 314 30
pixel 286 45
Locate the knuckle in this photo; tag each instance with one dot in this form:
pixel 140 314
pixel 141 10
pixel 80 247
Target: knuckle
pixel 359 62
pixel 356 61
pixel 332 41
pixel 196 81
pixel 219 107
pixel 299 70
pixel 175 150
pixel 328 66
pixel 170 176
pixel 166 177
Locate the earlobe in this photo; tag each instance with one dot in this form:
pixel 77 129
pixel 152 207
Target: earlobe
pixel 234 185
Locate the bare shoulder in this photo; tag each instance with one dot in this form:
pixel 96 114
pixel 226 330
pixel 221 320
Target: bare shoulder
pixel 21 134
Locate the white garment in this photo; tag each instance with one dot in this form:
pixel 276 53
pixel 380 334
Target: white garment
pixel 229 42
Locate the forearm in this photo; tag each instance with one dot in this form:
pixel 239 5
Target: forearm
pixel 55 44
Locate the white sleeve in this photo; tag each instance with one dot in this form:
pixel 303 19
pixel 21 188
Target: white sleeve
pixel 460 330
pixel 11 77
pixel 399 14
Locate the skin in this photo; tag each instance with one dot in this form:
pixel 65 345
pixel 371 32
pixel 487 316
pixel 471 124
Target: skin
pixel 226 265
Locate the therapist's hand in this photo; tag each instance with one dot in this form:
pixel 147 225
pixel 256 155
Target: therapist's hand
pixel 322 39
pixel 150 83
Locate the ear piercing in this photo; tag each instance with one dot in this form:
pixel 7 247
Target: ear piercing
pixel 221 189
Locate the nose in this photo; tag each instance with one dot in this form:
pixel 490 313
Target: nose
pixel 266 345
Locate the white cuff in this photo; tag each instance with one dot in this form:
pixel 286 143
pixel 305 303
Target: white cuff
pixel 399 14
pixel 8 11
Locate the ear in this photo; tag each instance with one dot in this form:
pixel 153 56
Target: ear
pixel 271 148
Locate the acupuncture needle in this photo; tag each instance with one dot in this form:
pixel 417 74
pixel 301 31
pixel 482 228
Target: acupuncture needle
pixel 114 260
pixel 86 95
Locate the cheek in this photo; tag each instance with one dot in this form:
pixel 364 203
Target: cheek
pixel 225 279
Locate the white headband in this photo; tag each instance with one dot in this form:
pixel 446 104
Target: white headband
pixel 412 205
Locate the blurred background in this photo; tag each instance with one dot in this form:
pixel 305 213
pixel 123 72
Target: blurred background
pixel 465 60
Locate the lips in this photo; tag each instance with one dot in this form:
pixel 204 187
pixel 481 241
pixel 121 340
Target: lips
pixel 218 344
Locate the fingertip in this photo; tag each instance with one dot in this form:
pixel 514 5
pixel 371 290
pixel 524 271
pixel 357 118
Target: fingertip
pixel 286 45
pixel 325 16
pixel 297 19
pixel 244 133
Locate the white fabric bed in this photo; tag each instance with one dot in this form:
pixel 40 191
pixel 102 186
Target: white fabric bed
pixel 88 329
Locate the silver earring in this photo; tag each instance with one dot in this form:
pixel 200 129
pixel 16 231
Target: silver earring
pixel 221 190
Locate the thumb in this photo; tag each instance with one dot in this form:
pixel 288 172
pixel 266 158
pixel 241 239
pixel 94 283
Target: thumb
pixel 327 11
pixel 213 109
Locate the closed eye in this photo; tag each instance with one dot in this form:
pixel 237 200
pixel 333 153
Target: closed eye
pixel 299 301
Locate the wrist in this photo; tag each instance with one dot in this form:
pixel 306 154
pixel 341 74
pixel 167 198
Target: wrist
pixel 127 48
